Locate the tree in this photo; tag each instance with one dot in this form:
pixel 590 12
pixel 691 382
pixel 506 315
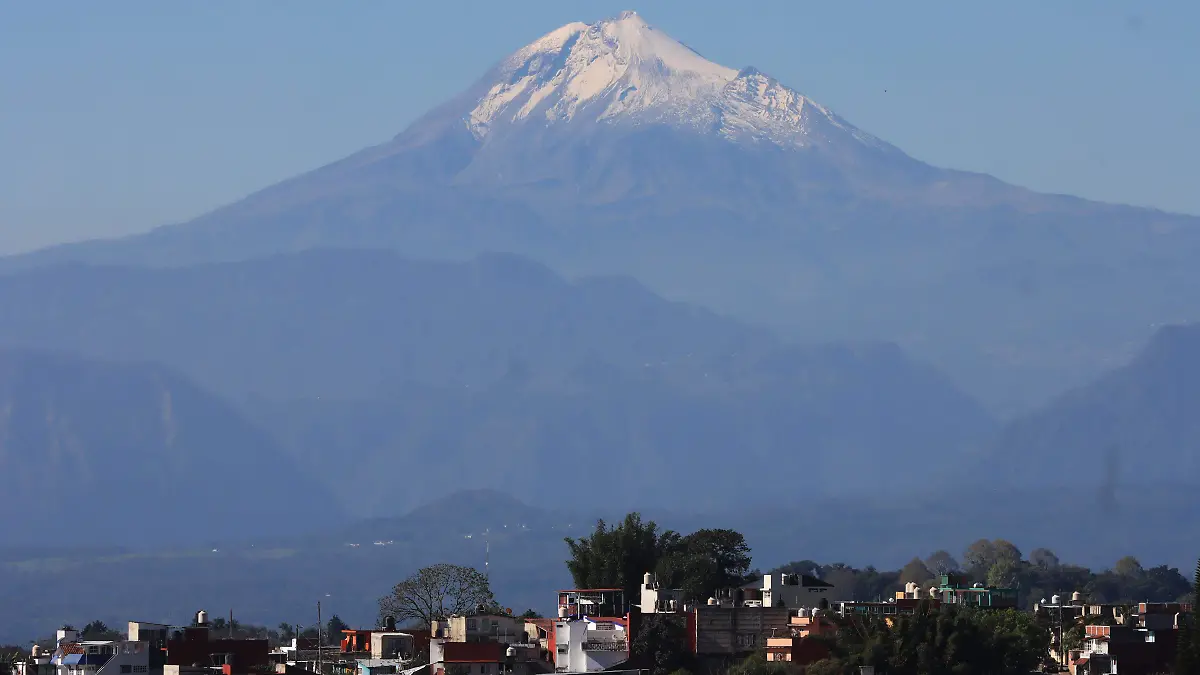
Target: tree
pixel 706 561
pixel 757 664
pixel 915 571
pixel 334 628
pixel 98 630
pixel 617 557
pixel 941 562
pixel 660 644
pixel 951 640
pixel 979 557
pixel 8 659
pixel 1003 573
pixel 435 592
pixel 1187 650
pixel 1128 567
pixel 808 567
pixel 1006 550
pixel 1043 558
pixel 530 614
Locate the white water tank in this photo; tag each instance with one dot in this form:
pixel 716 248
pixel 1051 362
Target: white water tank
pixel 1076 597
pixel 712 602
pixel 1054 600
pixel 648 579
pixel 511 652
pixel 562 612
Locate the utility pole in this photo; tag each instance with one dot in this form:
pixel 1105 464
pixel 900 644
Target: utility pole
pixel 319 629
pixel 1061 647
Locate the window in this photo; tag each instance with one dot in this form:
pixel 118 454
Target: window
pixel 126 669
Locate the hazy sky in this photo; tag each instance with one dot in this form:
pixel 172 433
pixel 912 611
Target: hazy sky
pixel 119 116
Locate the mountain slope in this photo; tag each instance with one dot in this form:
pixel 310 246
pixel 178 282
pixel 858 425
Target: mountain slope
pixel 95 453
pixel 347 323
pixel 712 434
pixel 1135 426
pixel 610 148
pixel 499 372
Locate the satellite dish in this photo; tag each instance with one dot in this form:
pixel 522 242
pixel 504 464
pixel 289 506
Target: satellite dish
pixel 508 610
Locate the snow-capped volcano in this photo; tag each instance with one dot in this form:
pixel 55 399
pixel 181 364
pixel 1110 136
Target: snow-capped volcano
pixel 623 70
pixel 612 148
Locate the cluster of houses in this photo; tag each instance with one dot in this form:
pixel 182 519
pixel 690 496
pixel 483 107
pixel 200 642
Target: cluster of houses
pixel 594 630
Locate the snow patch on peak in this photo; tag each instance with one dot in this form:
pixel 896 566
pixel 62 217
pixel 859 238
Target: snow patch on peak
pixel 624 70
pixel 621 66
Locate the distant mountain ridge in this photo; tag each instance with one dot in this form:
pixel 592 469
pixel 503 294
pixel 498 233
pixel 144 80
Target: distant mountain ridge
pixel 346 323
pixel 1136 425
pixel 799 419
pixel 94 453
pixel 497 372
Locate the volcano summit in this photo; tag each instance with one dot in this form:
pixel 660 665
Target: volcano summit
pixel 612 148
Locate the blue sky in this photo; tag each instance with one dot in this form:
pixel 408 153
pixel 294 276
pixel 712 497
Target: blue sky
pixel 116 117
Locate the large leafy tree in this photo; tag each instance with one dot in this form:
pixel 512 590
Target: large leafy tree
pixel 98 630
pixel 705 561
pixel 334 628
pixel 617 556
pixel 660 644
pixel 941 562
pixel 437 591
pixel 915 571
pixel 952 640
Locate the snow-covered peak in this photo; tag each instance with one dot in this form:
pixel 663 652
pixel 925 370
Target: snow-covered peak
pixel 622 70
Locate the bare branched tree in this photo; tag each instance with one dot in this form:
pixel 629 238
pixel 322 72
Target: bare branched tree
pixel 435 592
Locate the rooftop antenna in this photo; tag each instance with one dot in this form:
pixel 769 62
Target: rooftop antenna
pixel 487 555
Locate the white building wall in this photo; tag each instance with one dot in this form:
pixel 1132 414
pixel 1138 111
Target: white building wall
pixel 793 596
pixel 576 635
pixel 130 658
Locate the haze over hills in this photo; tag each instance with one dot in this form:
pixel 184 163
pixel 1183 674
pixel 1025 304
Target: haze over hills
pixel 103 454
pixel 345 323
pixel 280 578
pixel 370 367
pixel 1133 427
pixel 611 148
pixel 798 420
